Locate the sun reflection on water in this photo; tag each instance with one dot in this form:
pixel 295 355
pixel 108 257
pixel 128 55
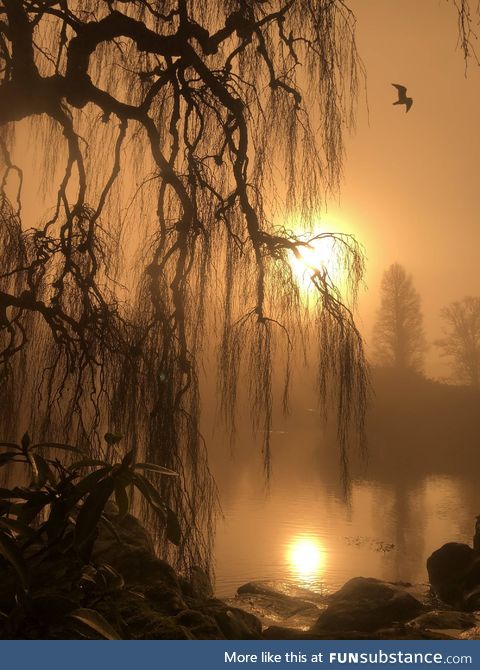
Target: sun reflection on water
pixel 306 558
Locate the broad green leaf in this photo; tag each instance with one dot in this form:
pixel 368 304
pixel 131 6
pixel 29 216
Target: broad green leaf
pixel 25 493
pixel 33 465
pixel 127 460
pixel 57 445
pixel 91 511
pixel 174 533
pixel 17 527
pixel 27 511
pixel 58 518
pixel 137 594
pixel 10 445
pixel 121 498
pixel 96 622
pixel 113 579
pixel 86 577
pixel 43 472
pixel 86 463
pixel 8 493
pixel 10 550
pixel 155 468
pixel 89 482
pixel 150 493
pixel 122 475
pixel 9 456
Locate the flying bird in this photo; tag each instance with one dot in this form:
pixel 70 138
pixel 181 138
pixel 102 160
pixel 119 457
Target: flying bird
pixel 403 99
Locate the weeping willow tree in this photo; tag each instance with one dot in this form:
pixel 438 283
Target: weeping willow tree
pixel 468 21
pixel 165 136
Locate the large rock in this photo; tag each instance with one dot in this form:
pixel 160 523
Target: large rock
pixel 122 536
pixel 454 574
pixel 281 588
pixel 170 607
pixel 279 602
pixel 367 604
pixel 234 622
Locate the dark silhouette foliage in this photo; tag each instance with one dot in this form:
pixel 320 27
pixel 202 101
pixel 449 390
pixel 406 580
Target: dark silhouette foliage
pixel 157 128
pixel 462 339
pixel 54 521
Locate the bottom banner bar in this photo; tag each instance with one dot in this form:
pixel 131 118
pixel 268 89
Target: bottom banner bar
pixel 220 655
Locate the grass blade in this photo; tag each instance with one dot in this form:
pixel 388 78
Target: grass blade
pixel 95 621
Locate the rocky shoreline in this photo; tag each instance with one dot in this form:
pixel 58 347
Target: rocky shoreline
pixel 143 598
pixel 368 608
pixel 364 608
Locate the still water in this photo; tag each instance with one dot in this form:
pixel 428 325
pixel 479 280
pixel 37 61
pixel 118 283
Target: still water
pixel 300 527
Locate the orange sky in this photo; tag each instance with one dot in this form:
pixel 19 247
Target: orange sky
pixel 412 181
pixel 411 192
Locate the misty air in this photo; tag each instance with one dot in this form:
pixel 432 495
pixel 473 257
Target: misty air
pixel 239 320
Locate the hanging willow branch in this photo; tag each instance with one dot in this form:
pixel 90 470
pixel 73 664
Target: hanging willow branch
pixel 166 134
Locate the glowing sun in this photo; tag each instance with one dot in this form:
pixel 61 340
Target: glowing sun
pixel 320 254
pixel 306 557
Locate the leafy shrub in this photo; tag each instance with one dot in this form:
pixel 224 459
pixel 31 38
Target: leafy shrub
pixel 56 518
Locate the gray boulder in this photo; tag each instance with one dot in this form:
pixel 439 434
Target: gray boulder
pixel 281 588
pixel 280 602
pixel 454 574
pixel 367 604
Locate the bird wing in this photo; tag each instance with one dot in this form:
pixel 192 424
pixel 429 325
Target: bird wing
pixel 408 103
pixel 402 90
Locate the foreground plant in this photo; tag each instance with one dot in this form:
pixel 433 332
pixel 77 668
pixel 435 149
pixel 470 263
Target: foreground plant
pixel 56 517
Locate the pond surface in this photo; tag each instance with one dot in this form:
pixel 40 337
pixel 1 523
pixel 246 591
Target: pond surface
pixel 301 528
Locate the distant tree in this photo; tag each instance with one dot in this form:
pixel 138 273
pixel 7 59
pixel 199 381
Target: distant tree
pixel 398 333
pixel 462 340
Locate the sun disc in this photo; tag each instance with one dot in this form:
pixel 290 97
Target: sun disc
pixel 319 255
pixel 306 557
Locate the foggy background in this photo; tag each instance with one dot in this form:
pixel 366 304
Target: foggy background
pixel 412 181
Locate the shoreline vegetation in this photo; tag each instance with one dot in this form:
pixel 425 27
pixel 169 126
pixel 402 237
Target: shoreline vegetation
pixel 132 594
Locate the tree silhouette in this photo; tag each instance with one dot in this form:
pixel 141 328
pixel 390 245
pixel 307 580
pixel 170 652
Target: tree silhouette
pixel 468 16
pixel 462 340
pixel 167 136
pixel 398 337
